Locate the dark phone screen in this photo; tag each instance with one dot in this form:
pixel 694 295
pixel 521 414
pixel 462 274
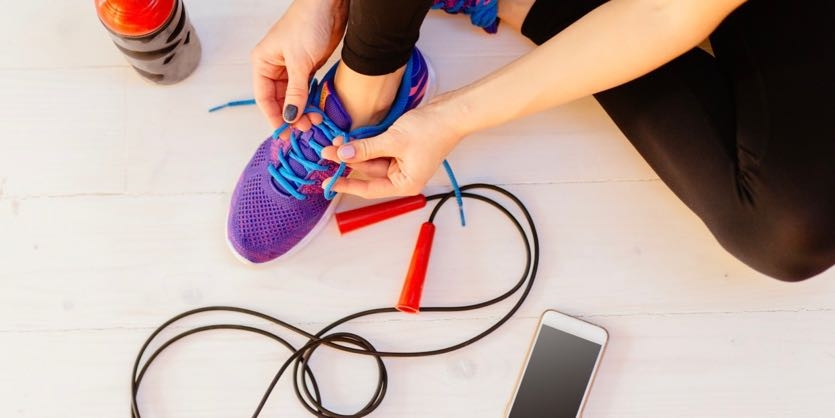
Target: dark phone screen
pixel 558 372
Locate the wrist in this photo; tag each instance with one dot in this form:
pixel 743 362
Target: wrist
pixel 456 113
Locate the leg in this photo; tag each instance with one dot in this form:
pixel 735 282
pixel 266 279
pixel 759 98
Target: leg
pixel 378 42
pixel 779 56
pixel 743 140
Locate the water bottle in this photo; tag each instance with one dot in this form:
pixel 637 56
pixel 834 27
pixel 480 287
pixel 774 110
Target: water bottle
pixel 155 36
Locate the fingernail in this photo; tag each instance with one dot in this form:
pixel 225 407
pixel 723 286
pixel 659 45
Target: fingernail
pixel 346 152
pixel 290 112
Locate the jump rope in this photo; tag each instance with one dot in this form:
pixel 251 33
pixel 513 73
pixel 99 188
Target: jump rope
pixel 304 381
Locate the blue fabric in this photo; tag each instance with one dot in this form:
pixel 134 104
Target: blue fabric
pixel 483 14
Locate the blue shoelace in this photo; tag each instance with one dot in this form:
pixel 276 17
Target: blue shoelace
pixel 285 176
pixel 291 182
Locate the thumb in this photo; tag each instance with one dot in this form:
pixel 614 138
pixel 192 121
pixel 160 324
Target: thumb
pixel 295 97
pixel 366 149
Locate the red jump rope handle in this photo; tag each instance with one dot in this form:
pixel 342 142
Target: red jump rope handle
pixel 357 218
pixel 413 285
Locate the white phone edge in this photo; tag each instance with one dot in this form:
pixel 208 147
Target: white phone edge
pixel 571 325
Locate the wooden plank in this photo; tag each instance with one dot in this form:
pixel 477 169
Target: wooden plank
pixel 129 136
pixel 230 30
pixel 227 30
pixel 113 196
pixel 175 146
pixel 114 261
pixel 49 35
pixel 692 365
pixel 124 136
pixel 729 365
pixel 62 132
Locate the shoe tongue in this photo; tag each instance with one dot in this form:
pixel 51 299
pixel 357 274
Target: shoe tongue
pixel 326 99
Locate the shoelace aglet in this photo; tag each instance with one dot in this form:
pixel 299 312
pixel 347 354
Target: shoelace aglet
pixel 457 190
pixel 234 103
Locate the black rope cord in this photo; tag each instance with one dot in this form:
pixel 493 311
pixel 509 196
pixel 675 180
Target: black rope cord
pixel 304 381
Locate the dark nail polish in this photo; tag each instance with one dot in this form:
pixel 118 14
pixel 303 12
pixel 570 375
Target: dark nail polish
pixel 290 112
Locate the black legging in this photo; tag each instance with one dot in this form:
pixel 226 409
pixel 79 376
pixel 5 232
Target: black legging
pixel 745 139
pixel 381 34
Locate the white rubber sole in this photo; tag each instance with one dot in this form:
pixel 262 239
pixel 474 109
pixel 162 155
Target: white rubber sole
pixel 431 88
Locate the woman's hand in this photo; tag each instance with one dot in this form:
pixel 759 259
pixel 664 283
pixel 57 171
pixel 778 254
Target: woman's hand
pixel 294 48
pixel 401 160
pixel 617 42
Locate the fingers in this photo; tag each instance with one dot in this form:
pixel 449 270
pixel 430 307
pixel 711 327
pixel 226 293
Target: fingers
pixel 295 97
pixel 315 118
pixel 303 123
pixel 267 92
pixel 329 153
pixel 394 183
pixel 359 150
pixel 369 189
pixel 378 167
pixel 280 91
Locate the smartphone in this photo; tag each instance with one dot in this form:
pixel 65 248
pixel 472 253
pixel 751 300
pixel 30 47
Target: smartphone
pixel 559 369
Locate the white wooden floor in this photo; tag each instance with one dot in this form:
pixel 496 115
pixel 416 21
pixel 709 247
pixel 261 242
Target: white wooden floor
pixel 113 195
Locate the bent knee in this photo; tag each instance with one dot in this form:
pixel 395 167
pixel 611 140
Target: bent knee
pixel 795 270
pixel 793 245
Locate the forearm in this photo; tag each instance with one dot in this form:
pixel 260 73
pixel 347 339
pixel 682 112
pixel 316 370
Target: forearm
pixel 615 43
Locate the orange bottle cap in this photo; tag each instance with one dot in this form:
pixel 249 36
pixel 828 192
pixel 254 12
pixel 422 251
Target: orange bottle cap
pixel 134 17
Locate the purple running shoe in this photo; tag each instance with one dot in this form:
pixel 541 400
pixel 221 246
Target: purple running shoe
pixel 280 202
pixel 483 13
